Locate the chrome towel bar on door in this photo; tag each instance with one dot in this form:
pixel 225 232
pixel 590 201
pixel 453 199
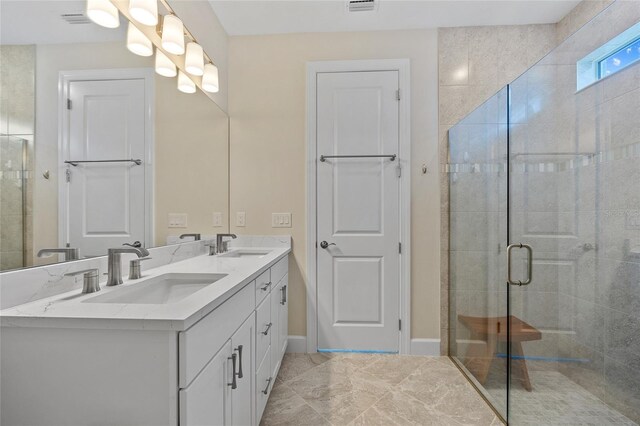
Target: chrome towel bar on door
pixel 76 162
pixel 392 157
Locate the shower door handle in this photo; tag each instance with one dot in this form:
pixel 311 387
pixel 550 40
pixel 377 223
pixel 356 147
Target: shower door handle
pixel 529 264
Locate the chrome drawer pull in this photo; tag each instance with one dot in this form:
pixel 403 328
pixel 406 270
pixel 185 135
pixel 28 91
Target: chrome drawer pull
pixel 267 330
pixel 239 349
pixel 233 383
pixel 265 287
pixel 284 295
pixel 266 390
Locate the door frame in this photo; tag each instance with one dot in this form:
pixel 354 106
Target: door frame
pixel 402 66
pixel 66 77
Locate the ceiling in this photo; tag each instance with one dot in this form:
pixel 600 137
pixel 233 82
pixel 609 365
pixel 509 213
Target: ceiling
pixel 39 22
pixel 252 17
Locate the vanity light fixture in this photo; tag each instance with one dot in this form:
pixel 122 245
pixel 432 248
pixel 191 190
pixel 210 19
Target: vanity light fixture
pixel 164 66
pixel 144 11
pixel 194 60
pixel 185 84
pixel 172 34
pixel 137 42
pixel 210 78
pixel 103 13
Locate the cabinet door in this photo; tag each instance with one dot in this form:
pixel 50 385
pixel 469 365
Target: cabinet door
pixel 242 401
pixel 207 400
pixel 275 329
pixel 283 320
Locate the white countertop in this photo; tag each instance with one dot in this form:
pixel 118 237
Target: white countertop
pixel 67 310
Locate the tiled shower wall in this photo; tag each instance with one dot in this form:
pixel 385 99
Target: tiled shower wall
pixel 17 96
pixel 474 63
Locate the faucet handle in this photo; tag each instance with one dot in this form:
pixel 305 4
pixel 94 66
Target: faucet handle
pixel 212 248
pixel 135 271
pixel 136 244
pixel 90 282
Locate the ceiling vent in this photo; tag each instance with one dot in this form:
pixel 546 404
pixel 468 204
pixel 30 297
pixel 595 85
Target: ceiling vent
pixel 361 5
pixel 75 18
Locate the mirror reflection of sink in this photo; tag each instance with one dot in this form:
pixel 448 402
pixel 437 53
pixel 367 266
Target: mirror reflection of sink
pixel 163 289
pixel 254 253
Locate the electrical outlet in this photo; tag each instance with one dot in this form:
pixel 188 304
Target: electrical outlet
pixel 240 219
pixel 281 220
pixel 217 219
pixel 177 220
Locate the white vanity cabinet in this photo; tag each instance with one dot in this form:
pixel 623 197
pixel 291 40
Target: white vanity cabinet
pixel 219 371
pixel 208 395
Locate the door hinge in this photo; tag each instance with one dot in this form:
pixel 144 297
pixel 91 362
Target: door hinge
pixel 399 247
pixel 398 95
pixel 68 103
pixel 400 324
pixel 67 174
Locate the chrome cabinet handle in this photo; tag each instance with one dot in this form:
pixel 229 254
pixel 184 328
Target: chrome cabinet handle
pixel 284 295
pixel 266 390
pixel 325 244
pixel 267 330
pixel 233 383
pixel 266 286
pixel 529 264
pixel 239 349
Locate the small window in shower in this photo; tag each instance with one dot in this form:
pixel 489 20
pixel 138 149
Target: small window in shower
pixel 617 54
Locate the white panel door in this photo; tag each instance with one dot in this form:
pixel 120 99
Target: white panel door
pixel 106 201
pixel 358 211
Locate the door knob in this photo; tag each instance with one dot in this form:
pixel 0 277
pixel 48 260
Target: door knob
pixel 325 244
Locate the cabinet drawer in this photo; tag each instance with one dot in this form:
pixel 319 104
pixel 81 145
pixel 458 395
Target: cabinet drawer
pixel 279 270
pixel 263 321
pixel 263 286
pixel 264 383
pixel 198 344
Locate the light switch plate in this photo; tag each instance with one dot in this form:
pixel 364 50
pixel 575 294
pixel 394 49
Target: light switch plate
pixel 177 220
pixel 281 220
pixel 240 219
pixel 217 219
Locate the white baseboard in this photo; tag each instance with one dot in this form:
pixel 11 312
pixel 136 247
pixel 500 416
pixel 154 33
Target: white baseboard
pixel 297 344
pixel 426 347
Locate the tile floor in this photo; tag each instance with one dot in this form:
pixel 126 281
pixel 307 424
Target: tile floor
pixel 355 389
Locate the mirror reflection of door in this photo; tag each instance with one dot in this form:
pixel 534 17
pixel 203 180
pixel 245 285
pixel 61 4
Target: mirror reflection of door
pixel 105 191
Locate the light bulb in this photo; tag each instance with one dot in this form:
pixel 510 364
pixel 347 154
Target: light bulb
pixel 194 61
pixel 103 13
pixel 164 66
pixel 144 11
pixel 137 42
pixel 210 78
pixel 173 35
pixel 185 85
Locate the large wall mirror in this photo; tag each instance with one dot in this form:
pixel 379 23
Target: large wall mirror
pixel 96 149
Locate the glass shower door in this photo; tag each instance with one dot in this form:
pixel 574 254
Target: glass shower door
pixel 478 292
pixel 574 199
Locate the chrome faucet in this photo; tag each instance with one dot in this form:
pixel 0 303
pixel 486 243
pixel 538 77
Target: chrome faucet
pixel 221 244
pixel 196 237
pixel 69 253
pixel 114 274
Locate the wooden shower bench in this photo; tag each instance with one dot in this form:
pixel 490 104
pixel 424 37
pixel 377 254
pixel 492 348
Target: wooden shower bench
pixel 493 330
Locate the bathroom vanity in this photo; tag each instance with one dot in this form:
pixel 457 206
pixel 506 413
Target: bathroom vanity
pixel 195 342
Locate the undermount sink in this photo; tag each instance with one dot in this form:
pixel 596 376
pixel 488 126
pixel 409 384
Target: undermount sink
pixel 160 290
pixel 246 253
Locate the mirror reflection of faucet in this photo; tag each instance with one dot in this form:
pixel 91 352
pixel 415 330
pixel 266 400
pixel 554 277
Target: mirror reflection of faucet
pixel 196 237
pixel 68 252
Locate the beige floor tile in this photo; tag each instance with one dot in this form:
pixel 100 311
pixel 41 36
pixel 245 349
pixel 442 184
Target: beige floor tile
pixel 394 369
pixel 285 407
pixel 293 365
